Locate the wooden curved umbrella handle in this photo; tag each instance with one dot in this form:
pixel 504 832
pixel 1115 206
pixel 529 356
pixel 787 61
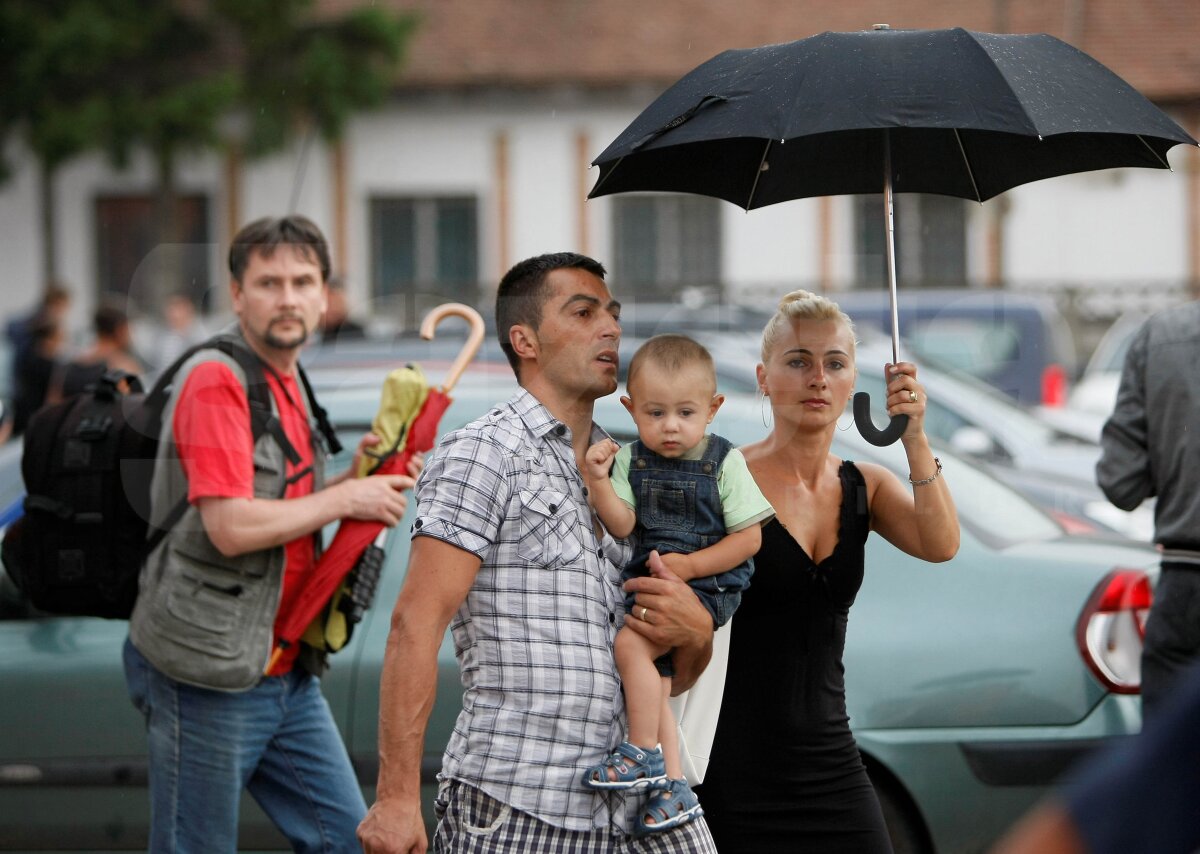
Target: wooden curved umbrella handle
pixel 474 339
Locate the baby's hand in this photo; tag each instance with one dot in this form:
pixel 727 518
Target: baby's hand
pixel 678 563
pixel 598 459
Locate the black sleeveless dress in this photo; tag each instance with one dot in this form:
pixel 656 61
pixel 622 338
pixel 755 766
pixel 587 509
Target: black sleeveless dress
pixel 785 773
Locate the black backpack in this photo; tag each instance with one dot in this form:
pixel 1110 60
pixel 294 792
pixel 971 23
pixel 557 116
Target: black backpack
pixel 87 466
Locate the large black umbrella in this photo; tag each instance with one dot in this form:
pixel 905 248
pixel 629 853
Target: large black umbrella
pixel 952 112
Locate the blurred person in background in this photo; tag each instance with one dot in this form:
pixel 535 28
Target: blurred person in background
pixel 1138 795
pixel 29 380
pixel 1149 449
pixel 55 302
pixel 112 350
pixel 35 367
pixel 181 328
pixel 336 323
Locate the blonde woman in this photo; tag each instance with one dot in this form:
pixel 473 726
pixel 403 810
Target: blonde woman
pixel 794 781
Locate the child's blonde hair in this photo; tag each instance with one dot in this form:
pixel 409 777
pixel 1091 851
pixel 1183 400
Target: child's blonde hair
pixel 802 305
pixel 674 353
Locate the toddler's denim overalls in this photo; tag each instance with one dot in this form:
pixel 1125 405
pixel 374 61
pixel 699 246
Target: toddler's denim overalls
pixel 679 510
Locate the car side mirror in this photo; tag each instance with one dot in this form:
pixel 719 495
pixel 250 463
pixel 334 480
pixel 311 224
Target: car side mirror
pixel 973 442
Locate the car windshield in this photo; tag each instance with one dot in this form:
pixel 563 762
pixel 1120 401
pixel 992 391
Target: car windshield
pixel 956 400
pixel 978 347
pixel 1110 353
pixel 994 512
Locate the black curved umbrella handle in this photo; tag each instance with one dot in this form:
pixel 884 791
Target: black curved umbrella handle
pixel 862 419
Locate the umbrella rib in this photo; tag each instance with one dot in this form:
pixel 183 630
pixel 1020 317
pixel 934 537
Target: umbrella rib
pixel 604 177
pixel 967 161
pixel 758 174
pixel 1157 156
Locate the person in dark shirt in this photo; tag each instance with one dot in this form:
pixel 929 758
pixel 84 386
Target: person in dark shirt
pixel 29 336
pixel 336 324
pixel 1137 795
pixel 111 351
pixel 35 368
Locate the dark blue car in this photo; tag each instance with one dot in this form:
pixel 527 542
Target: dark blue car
pixel 1019 343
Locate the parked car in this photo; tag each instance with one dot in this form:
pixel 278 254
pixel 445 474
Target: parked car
pixel 1019 343
pixel 1051 466
pixel 1095 393
pixel 971 684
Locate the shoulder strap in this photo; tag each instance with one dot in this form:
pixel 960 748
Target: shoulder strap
pixel 718 449
pixel 854 491
pixel 318 412
pixel 262 417
pixel 258 395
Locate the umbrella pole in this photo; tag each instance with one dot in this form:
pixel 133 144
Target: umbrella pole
pixel 891 243
pixel 862 400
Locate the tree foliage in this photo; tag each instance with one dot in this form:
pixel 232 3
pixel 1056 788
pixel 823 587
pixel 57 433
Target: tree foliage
pixel 301 70
pixel 163 75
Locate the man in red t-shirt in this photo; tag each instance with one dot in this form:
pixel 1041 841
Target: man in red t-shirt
pixel 277 737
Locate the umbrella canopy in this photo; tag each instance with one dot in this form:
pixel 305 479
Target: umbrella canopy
pixel 967 114
pixel 952 112
pixel 406 423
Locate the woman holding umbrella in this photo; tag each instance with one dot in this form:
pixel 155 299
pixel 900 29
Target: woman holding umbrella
pixel 794 780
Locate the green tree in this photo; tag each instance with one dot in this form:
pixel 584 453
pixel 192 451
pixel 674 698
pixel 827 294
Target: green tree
pixel 52 53
pixel 283 66
pixel 167 88
pixel 162 75
pixel 304 72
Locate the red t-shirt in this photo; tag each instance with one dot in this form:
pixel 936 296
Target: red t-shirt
pixel 216 450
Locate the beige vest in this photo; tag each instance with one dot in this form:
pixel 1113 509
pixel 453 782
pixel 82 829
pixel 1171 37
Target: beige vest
pixel 200 617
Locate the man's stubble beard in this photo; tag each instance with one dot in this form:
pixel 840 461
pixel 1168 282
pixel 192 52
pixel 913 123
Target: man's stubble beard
pixel 274 341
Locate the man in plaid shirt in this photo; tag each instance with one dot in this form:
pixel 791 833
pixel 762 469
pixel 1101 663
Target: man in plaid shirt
pixel 507 552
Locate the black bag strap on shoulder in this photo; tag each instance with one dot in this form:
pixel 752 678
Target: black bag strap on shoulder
pixel 319 413
pixel 262 416
pixel 263 420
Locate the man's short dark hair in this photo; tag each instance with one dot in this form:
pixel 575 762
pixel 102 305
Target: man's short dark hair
pixel 523 292
pixel 55 293
pixel 108 320
pixel 265 235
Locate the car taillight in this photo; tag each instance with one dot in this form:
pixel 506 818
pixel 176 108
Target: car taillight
pixel 1111 628
pixel 1073 524
pixel 1054 385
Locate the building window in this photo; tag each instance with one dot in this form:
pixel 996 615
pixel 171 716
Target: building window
pixel 665 243
pixel 930 236
pixel 131 261
pixel 425 250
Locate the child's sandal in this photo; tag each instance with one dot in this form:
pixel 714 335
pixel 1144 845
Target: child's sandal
pixel 669 806
pixel 633 768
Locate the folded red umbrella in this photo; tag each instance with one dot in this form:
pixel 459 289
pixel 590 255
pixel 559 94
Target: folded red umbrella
pixel 304 602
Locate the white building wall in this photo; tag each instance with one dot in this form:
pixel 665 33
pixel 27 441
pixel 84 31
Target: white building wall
pixel 77 186
pixel 297 180
pixel 1112 226
pixel 544 203
pixel 20 238
pixel 775 248
pixel 1105 227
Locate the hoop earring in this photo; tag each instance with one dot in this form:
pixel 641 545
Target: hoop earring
pixel 764 411
pixel 847 427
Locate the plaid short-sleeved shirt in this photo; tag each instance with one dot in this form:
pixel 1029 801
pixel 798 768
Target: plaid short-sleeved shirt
pixel 542 696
